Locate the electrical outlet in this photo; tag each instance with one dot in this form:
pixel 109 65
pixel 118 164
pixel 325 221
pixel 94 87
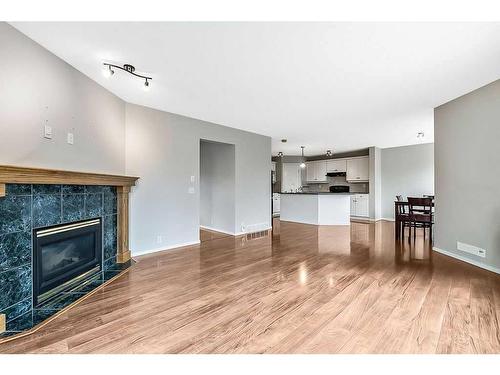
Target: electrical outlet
pixel 47 132
pixel 71 138
pixel 474 250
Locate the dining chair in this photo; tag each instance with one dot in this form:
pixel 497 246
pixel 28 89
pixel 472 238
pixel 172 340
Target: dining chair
pixel 420 215
pixel 402 218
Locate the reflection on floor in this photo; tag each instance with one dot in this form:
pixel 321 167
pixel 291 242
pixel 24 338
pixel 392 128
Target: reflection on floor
pixel 209 235
pixel 35 317
pixel 305 289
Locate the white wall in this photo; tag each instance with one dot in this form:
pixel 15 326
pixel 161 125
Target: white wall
pixel 36 87
pixel 217 186
pixel 406 171
pixel 164 150
pixel 466 136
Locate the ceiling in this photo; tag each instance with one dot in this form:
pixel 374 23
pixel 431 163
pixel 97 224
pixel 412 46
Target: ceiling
pixel 338 86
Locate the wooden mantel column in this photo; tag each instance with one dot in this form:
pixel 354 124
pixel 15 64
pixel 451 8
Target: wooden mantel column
pixel 123 252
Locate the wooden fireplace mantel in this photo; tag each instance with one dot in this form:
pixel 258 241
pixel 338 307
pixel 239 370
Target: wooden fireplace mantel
pixel 23 175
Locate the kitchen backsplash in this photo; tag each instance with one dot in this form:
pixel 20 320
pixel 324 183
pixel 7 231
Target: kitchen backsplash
pixel 354 188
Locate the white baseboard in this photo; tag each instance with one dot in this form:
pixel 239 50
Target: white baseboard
pixel 217 230
pixel 243 233
pixel 231 234
pixel 467 260
pixel 170 247
pixel 361 219
pixel 367 219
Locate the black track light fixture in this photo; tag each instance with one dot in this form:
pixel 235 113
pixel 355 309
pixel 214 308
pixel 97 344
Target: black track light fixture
pixel 109 71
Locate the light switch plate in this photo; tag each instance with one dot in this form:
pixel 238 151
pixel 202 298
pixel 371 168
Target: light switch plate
pixel 192 179
pixel 47 132
pixel 71 138
pixel 191 190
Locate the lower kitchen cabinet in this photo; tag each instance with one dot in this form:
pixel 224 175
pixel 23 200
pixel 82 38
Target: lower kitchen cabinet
pixel 360 205
pixel 276 203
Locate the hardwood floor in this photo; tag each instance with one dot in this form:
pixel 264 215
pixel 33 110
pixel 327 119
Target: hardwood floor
pixel 209 235
pixel 303 289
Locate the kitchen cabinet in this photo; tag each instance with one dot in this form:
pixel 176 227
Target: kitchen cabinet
pixel 291 179
pixel 310 171
pixel 336 166
pixel 360 205
pixel 273 172
pixel 276 203
pixel 358 169
pixel 316 171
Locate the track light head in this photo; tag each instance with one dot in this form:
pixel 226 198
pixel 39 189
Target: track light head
pixel 108 72
pixel 146 85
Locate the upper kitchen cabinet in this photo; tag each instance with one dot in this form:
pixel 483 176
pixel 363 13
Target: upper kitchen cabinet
pixel 316 171
pixel 358 169
pixel 291 179
pixel 336 166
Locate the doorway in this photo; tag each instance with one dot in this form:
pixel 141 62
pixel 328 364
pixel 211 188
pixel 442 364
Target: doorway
pixel 217 190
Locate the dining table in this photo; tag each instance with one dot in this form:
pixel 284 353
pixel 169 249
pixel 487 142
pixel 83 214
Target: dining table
pixel 397 218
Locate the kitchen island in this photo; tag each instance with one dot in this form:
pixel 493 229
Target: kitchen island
pixel 316 208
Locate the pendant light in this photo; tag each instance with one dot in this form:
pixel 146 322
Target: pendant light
pixel 302 165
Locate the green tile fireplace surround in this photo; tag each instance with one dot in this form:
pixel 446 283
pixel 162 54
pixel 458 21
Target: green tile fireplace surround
pixel 31 199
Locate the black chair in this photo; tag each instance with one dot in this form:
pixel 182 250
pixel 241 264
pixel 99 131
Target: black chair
pixel 402 217
pixel 420 215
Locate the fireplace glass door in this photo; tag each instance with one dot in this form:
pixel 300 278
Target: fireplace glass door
pixel 65 255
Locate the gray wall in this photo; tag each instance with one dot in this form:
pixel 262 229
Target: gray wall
pixel 114 137
pixel 164 150
pixel 406 171
pixel 467 158
pixel 217 186
pixel 36 87
pixel 375 191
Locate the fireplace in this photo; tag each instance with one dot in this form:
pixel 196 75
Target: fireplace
pixel 65 256
pixel 63 235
